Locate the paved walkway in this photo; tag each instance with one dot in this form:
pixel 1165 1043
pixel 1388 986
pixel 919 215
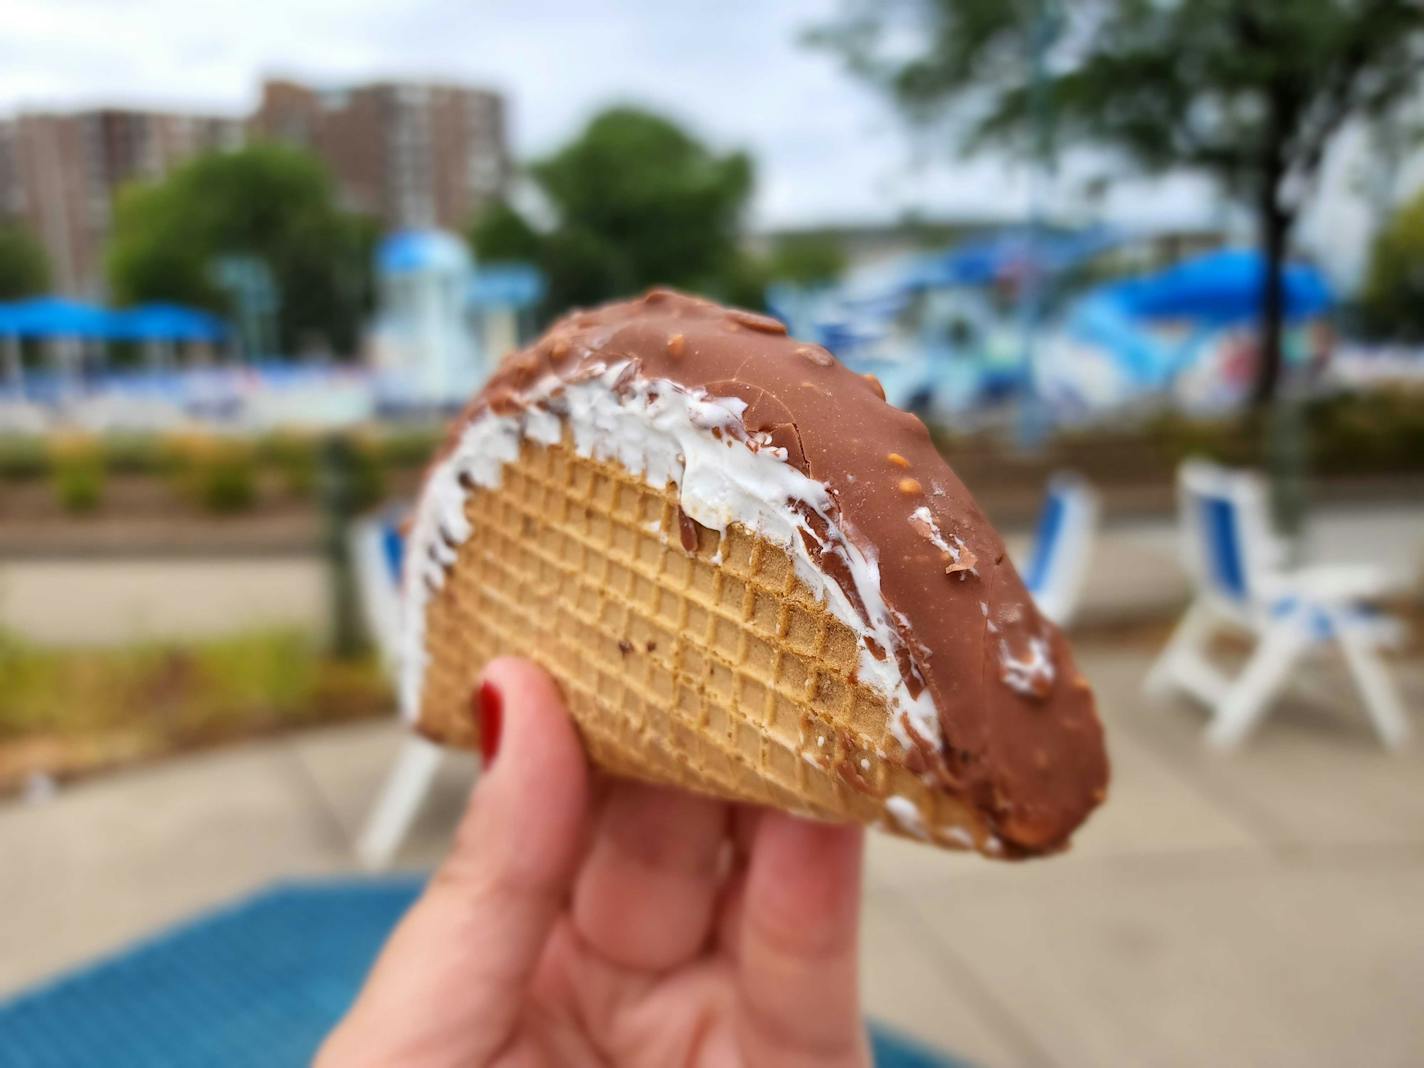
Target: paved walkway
pixel 1134 576
pixel 126 599
pixel 1256 909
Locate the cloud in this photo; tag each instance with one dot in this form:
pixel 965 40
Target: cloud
pixel 826 147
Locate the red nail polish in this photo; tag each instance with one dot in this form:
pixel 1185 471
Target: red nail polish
pixel 491 718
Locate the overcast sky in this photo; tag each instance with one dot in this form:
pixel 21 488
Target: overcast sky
pixel 827 148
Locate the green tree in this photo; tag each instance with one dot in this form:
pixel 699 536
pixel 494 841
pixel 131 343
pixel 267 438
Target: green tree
pixel 807 259
pixel 499 233
pixel 635 201
pixel 1251 93
pixel 24 270
pixel 268 201
pixel 1393 296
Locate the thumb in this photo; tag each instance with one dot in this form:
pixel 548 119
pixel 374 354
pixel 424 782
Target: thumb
pixel 450 984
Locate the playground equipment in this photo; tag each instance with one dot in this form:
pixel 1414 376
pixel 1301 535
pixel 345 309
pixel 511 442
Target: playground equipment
pixel 957 332
pixel 1186 334
pixel 952 332
pixel 423 350
pixel 441 323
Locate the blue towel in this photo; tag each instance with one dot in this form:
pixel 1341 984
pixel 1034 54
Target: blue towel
pixel 257 983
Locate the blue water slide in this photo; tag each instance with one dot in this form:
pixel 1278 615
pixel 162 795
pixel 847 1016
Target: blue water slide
pixel 1221 287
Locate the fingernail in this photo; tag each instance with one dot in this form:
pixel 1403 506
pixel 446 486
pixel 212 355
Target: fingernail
pixel 491 717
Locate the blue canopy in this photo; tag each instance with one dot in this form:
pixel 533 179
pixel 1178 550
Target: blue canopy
pixel 165 322
pixel 53 317
pixel 506 285
pixel 1008 253
pixel 1221 287
pixel 408 251
pixel 62 317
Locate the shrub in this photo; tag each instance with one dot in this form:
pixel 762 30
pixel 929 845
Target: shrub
pixel 22 456
pixel 216 474
pixel 367 472
pixel 299 459
pixel 77 470
pixel 1379 431
pixel 294 457
pixel 1227 441
pixel 132 453
pixel 227 477
pixel 411 447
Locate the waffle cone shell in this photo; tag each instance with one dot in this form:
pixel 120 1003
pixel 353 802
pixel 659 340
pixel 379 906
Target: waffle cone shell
pixel 688 657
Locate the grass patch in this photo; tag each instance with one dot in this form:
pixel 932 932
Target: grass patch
pixel 64 712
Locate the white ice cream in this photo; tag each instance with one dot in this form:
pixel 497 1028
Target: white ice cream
pixel 906 816
pixel 1031 673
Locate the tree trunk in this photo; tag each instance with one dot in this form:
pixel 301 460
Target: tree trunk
pixel 1278 418
pixel 1275 226
pixel 336 502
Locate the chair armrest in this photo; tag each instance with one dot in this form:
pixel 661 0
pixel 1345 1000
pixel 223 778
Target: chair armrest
pixel 1336 583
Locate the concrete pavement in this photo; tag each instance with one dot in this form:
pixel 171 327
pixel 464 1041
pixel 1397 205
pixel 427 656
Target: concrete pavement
pixel 81 600
pixel 125 599
pixel 1261 908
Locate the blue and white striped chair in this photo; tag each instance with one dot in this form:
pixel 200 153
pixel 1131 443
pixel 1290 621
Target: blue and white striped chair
pixel 1237 566
pixel 377 549
pixel 1063 546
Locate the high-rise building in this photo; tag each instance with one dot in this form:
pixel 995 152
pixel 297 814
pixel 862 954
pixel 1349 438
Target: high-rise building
pixel 411 154
pixel 59 173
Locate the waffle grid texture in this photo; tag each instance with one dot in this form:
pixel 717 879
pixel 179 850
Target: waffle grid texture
pixel 715 669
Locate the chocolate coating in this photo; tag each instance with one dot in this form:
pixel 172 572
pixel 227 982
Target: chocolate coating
pixel 1030 758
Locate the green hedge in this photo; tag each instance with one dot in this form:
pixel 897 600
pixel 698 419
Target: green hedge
pixel 1376 433
pixel 292 455
pixel 216 473
pixel 1379 432
pixel 23 456
pixel 77 468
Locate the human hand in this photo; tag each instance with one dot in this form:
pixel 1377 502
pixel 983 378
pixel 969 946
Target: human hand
pixel 585 920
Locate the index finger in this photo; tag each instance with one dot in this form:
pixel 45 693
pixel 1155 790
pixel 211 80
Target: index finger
pixel 453 975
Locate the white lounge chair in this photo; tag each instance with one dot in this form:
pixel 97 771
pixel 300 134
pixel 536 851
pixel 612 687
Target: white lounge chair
pixel 1237 566
pixel 1063 546
pixel 376 550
